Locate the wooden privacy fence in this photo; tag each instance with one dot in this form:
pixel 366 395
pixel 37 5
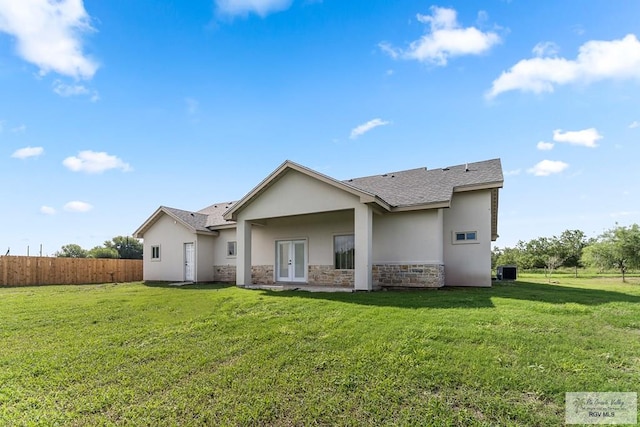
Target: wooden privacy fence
pixel 25 271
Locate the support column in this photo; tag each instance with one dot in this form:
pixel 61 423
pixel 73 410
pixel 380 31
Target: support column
pixel 363 227
pixel 243 259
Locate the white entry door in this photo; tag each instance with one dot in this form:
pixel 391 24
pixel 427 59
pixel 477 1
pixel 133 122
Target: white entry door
pixel 189 262
pixel 291 261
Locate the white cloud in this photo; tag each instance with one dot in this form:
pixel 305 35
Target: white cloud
pixel 94 162
pixel 545 146
pixel 585 138
pixel 548 167
pixel 445 38
pixel 596 60
pixel 66 90
pixel 26 152
pixel 634 124
pixel 366 127
pixel 77 206
pixel 244 7
pixel 48 34
pixel 545 49
pixel 47 210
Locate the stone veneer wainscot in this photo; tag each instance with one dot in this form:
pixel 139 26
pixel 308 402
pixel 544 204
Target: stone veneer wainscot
pixel 408 275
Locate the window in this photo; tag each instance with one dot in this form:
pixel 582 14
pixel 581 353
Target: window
pixel 344 252
pixel 155 253
pixel 465 237
pixel 231 248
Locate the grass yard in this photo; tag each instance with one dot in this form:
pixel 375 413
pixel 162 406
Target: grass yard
pixel 214 355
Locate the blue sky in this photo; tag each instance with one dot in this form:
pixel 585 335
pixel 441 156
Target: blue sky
pixel 109 109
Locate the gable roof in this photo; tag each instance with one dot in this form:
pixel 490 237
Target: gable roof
pixel 395 191
pixel 196 222
pixel 365 196
pixel 422 187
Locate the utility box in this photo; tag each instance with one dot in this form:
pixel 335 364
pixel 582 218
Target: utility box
pixel 507 272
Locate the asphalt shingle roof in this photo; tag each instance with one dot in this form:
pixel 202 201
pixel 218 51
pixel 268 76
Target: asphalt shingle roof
pixel 422 186
pixel 196 220
pixel 404 188
pixel 214 214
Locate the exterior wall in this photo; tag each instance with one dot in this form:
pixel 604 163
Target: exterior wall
pixel 324 275
pixel 408 275
pixel 285 197
pixel 317 230
pixel 205 249
pixel 224 266
pixel 408 238
pixel 262 274
pixel 468 264
pixel 171 237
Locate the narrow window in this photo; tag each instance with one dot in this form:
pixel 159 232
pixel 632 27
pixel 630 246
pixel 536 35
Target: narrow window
pixel 155 253
pixel 465 237
pixel 344 252
pixel 231 248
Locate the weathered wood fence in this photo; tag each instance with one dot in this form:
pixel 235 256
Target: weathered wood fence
pixel 25 271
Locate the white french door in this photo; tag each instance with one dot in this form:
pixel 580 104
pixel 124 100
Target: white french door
pixel 189 262
pixel 291 261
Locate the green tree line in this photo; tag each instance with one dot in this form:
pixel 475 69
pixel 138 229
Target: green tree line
pixel 123 247
pixel 617 248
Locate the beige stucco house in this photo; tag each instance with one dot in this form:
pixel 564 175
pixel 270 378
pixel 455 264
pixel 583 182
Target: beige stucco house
pixel 417 228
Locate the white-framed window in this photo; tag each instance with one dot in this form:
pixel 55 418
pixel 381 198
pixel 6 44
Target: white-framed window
pixel 155 253
pixel 461 237
pixel 344 249
pixel 232 248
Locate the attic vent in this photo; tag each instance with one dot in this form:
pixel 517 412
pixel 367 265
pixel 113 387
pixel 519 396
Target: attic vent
pixel 393 176
pixel 191 214
pixel 215 206
pixel 445 169
pixel 351 180
pixel 384 174
pixel 466 167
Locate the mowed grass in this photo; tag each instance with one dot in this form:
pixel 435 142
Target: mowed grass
pixel 136 354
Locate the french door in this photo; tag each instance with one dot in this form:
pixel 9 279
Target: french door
pixel 291 261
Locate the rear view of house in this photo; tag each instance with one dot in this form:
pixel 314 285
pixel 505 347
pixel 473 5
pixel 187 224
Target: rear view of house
pixel 417 228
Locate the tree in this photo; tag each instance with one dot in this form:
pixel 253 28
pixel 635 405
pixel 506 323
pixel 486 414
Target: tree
pixel 71 251
pixel 127 247
pixel 102 252
pixel 617 248
pixel 572 244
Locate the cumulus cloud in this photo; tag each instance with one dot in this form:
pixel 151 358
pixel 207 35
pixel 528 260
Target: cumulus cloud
pixel 49 33
pixel 444 38
pixel 596 60
pixel 244 7
pixel 545 146
pixel 26 152
pixel 585 138
pixel 94 162
pixel 366 127
pixel 77 206
pixel 548 167
pixel 634 124
pixel 47 210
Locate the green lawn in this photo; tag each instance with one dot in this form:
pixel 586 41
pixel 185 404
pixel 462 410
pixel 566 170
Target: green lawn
pixel 156 355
